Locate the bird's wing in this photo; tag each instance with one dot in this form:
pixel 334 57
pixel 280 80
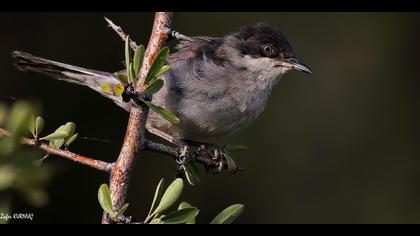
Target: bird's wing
pixel 188 49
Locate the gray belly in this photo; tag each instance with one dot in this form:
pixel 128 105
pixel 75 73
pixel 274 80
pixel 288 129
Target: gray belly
pixel 207 117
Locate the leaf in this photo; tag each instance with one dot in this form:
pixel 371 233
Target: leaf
pixel 32 125
pixel 118 89
pixel 122 77
pixel 184 205
pixel 236 148
pixel 155 86
pixel 158 195
pixel 71 140
pixel 104 198
pixel 55 135
pixel 170 196
pixel 181 216
pixel 191 173
pixel 163 70
pixel 106 88
pixel 127 52
pixel 70 127
pixel 39 125
pixel 163 112
pixel 57 143
pixel 157 64
pixel 232 166
pixel 228 215
pixel 19 118
pixel 41 160
pixel 122 210
pixel 138 58
pixel 131 73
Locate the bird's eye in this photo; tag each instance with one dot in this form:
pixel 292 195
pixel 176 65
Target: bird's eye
pixel 267 50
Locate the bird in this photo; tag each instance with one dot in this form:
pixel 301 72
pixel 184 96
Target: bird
pixel 216 85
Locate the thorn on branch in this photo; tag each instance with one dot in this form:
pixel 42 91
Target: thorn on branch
pixel 121 33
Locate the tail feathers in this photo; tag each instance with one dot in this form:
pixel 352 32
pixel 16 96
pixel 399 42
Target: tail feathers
pixel 73 74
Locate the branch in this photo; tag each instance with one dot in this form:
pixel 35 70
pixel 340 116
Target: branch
pixel 97 164
pixel 121 33
pixel 134 136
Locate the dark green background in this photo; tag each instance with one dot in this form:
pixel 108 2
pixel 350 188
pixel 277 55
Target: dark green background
pixel 337 146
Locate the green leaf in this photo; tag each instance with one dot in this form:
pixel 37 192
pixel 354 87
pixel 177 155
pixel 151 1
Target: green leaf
pixel 19 119
pixel 157 64
pixel 232 166
pixel 104 198
pixel 131 74
pixel 127 52
pixel 55 135
pixel 162 70
pixel 39 125
pixel 155 86
pixel 122 210
pixel 57 143
pixel 32 125
pixel 163 112
pixel 236 148
pixel 138 58
pixel 191 173
pixel 122 77
pixel 170 196
pixel 71 140
pixel 184 205
pixel 228 215
pixel 41 160
pixel 181 216
pixel 69 127
pixel 158 195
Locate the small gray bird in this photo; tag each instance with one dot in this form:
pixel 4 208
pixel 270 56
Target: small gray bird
pixel 216 86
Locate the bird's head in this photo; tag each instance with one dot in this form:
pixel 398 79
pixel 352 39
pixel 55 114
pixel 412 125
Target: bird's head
pixel 264 50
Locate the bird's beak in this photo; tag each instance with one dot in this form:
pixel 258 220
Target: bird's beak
pixel 295 64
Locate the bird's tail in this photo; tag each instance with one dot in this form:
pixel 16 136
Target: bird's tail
pixel 73 74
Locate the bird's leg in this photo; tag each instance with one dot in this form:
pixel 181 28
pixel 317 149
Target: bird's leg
pixel 188 150
pixel 214 151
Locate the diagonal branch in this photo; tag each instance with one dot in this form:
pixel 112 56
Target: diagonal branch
pixel 97 164
pixel 121 33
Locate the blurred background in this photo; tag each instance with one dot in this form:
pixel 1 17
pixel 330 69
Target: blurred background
pixel 337 146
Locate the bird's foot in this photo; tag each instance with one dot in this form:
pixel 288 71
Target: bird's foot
pixel 215 156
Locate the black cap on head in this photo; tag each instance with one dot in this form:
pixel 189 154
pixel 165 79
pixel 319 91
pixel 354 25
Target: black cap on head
pixel 263 40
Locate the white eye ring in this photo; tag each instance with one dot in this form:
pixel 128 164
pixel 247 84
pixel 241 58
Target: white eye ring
pixel 267 49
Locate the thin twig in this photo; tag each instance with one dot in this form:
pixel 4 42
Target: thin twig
pixel 121 33
pixel 97 164
pixel 160 148
pixel 180 36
